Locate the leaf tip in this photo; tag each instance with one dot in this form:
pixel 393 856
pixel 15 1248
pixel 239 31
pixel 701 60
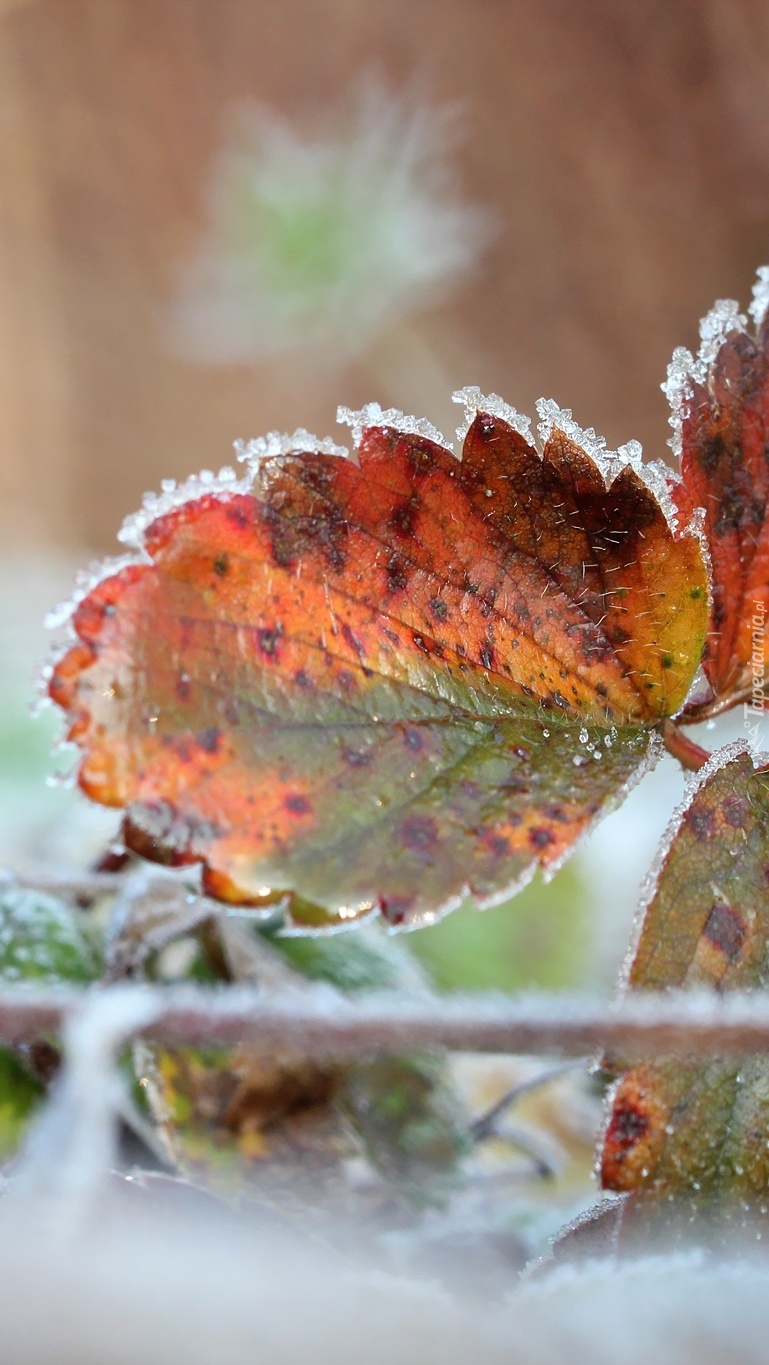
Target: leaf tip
pixel 373 415
pixel 475 402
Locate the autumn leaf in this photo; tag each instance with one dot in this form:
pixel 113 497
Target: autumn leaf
pixel 720 406
pixel 387 681
pixel 695 1131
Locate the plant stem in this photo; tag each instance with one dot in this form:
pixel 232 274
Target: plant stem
pixel 690 755
pixel 319 1022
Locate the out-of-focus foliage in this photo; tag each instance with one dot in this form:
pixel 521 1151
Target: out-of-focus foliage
pixel 326 240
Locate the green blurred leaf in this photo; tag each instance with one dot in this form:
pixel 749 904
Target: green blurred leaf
pixel 542 941
pixel 411 1123
pixel 19 1095
pixel 42 940
pixel 367 960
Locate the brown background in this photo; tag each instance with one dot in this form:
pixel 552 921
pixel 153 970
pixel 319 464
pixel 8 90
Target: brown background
pixel 623 148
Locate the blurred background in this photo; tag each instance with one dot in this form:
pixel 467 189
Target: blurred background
pixel 222 218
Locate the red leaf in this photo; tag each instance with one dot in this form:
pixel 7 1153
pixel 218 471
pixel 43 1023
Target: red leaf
pixel 386 683
pixel 721 417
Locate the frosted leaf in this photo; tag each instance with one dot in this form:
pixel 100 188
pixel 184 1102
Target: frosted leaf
pixel 695 782
pixel 173 495
pixel 85 582
pixel 474 402
pixel 372 415
pixel 552 418
pixel 654 475
pixel 275 444
pixel 41 939
pixel 723 319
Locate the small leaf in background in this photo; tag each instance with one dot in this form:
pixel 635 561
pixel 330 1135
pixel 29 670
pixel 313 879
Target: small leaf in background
pixel 328 239
pixel 408 1117
pixel 42 940
pixel 389 681
pixel 696 1131
pixel 20 1095
pixel 721 418
pixel 244 1121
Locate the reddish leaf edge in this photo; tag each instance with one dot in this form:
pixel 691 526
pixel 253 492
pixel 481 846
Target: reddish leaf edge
pixel 685 370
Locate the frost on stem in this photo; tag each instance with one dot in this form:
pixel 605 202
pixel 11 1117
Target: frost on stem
pixel 70 1150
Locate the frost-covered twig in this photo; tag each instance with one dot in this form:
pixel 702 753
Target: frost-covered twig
pixel 318 1021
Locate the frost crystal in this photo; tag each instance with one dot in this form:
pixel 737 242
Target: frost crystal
pixel 372 415
pixel 85 582
pixel 70 1149
pixel 173 495
pixel 552 418
pixel 760 301
pixel 275 443
pixel 685 369
pixel 474 402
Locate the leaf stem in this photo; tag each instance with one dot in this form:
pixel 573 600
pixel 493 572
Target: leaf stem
pixel 690 755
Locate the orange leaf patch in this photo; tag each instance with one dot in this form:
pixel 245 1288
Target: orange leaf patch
pixel 387 681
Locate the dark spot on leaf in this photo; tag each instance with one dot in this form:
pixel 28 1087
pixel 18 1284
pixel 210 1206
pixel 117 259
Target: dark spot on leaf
pixel 222 565
pixel 413 739
pixel 231 711
pixel 237 516
pixel 701 821
pixel 626 1127
pixel 403 516
pixel 725 928
pixel 735 811
pixel 182 687
pixel 209 739
pixel 555 812
pixel 497 845
pixel 396 574
pixel 540 837
pixel 297 804
pixel 667 661
pixel 419 834
pixel 487 656
pixel 357 758
pixel 438 608
pixel 268 640
pixel 303 679
pixel 396 909
pixel 355 644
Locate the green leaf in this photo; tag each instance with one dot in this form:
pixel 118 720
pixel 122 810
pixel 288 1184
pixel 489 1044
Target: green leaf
pixel 42 940
pixel 19 1096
